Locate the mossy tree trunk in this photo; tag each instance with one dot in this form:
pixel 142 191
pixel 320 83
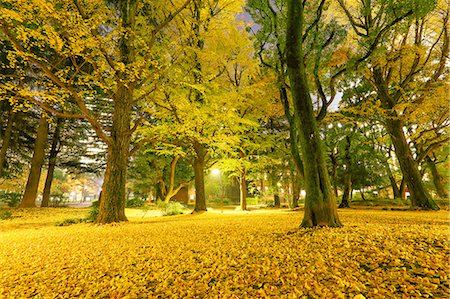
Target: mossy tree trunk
pixel 54 150
pixel 320 205
pixel 31 188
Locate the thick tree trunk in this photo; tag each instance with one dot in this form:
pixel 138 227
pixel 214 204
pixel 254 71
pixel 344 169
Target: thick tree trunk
pixel 437 178
pixel 31 189
pixel 199 173
pixel 419 196
pixel 320 205
pixel 113 199
pixel 345 203
pixel 410 170
pixel 112 202
pixel 6 140
pixel 52 163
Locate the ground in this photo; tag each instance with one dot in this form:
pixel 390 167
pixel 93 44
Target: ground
pixel 377 254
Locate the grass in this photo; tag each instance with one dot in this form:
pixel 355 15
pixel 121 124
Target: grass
pixel 377 254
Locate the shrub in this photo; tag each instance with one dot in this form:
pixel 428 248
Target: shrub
pixel 93 212
pixel 10 198
pixel 70 221
pixel 135 203
pixel 5 215
pixel 171 208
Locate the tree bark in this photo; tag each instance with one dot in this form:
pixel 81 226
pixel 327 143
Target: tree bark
pixel 395 189
pixel 243 191
pixel 345 203
pixel 112 202
pixel 295 181
pixel 6 140
pixel 419 195
pixel 199 173
pixel 437 178
pixel 54 150
pixel 334 164
pixel 320 205
pixel 31 189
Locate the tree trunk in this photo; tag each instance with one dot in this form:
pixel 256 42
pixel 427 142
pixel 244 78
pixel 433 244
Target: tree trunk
pixel 276 200
pixel 31 189
pixel 243 191
pixel 402 189
pixel 54 150
pixel 345 203
pixel 437 178
pixel 112 202
pixel 320 205
pixel 395 188
pixel 199 173
pixel 334 163
pixel 419 196
pixel 410 170
pixel 6 140
pixel 295 181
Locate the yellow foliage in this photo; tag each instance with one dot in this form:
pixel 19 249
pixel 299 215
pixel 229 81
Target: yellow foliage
pixel 378 254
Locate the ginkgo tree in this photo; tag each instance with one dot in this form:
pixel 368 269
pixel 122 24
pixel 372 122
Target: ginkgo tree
pixel 409 42
pixel 206 98
pixel 100 50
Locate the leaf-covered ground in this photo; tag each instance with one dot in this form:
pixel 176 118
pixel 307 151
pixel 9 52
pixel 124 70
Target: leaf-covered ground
pixel 378 254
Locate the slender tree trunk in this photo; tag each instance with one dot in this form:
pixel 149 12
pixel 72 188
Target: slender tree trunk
pixel 52 163
pixel 320 205
pixel 345 203
pixel 31 189
pixel 334 162
pixel 243 191
pixel 6 139
pixel 242 184
pixel 394 186
pixel 295 181
pixel 199 173
pixel 437 178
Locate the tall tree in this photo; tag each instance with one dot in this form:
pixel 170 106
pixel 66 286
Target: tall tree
pixel 391 29
pixel 320 205
pixel 106 50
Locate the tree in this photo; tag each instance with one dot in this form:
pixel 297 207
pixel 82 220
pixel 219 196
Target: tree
pixel 107 51
pixel 389 30
pixel 320 205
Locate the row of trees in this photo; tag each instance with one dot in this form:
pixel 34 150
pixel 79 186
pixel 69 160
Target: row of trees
pixel 194 81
